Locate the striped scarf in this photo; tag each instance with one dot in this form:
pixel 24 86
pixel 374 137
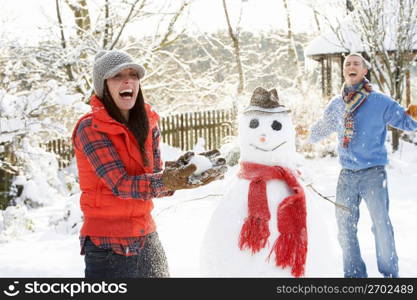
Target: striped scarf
pixel 353 99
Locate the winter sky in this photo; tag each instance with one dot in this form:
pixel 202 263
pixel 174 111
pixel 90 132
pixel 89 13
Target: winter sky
pixel 25 18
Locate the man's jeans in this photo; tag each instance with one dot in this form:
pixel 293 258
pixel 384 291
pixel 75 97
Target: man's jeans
pixel 371 185
pixel 104 263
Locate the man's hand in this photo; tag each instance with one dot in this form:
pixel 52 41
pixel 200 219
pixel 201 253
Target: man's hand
pixel 412 111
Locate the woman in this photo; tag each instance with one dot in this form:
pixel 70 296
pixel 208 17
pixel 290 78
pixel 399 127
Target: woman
pixel 119 166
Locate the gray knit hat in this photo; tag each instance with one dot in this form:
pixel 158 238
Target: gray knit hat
pixel 109 63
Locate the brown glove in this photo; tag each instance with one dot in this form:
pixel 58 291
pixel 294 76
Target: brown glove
pixel 214 173
pixel 176 178
pixel 412 111
pixel 213 155
pixel 179 178
pixel 183 160
pixel 177 174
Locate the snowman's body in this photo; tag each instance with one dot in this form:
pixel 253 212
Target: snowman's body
pixel 222 256
pixel 267 139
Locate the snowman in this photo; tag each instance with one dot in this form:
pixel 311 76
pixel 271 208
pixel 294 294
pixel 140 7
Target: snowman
pixel 259 228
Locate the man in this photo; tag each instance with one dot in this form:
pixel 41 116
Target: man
pixel 360 117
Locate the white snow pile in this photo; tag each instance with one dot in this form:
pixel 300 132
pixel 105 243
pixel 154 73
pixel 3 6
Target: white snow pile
pixel 41 113
pixel 27 120
pixel 15 221
pixel 51 231
pixel 42 186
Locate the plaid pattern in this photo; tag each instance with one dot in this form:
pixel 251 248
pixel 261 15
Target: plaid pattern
pixel 126 246
pixel 104 158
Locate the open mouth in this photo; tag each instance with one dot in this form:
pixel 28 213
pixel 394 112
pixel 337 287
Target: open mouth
pixel 352 74
pixel 126 93
pixel 266 150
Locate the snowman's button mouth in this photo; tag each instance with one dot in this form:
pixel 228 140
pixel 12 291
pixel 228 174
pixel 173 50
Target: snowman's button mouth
pixel 266 150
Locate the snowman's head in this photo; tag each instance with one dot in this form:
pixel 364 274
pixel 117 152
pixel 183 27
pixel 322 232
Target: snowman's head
pixel 266 132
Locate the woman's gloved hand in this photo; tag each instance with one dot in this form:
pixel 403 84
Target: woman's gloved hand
pixel 176 177
pixel 214 157
pixel 178 174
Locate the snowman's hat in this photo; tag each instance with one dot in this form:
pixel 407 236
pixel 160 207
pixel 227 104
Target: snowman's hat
pixel 265 101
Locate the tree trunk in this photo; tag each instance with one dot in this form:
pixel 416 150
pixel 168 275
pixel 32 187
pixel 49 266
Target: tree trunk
pixel 395 139
pixel 396 133
pixel 81 16
pixel 68 67
pixel 292 50
pixel 407 88
pixel 316 19
pixel 132 9
pixel 236 47
pixel 106 38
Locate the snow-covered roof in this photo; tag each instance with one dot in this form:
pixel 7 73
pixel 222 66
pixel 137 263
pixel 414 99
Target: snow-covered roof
pixel 330 44
pixel 347 40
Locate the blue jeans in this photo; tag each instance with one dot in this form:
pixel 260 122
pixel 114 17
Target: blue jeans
pixel 371 185
pixel 104 263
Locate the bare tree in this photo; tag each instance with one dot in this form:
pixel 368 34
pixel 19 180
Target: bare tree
pixel 387 32
pixel 292 50
pixel 67 58
pixel 234 36
pixel 81 14
pixel 86 34
pixel 316 19
pixel 63 41
pixel 126 20
pixel 170 36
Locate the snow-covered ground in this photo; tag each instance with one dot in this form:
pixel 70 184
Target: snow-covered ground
pixel 52 251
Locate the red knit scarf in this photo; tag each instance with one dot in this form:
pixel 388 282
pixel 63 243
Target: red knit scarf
pixel 291 246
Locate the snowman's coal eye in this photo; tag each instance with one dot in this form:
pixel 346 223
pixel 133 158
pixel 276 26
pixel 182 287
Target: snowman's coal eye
pixel 276 125
pixel 254 123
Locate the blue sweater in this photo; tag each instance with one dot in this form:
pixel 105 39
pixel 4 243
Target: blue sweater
pixel 367 147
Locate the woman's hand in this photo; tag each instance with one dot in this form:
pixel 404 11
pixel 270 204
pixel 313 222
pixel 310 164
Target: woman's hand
pixel 178 174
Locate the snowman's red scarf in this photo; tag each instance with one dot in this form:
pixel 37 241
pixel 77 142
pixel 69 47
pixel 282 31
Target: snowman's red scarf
pixel 291 246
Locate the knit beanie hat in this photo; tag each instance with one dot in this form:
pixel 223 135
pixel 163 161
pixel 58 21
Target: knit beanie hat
pixel 109 63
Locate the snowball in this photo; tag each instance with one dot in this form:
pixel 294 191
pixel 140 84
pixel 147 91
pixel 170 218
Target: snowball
pixel 202 163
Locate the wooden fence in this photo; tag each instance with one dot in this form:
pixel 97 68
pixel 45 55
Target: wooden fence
pixel 183 130
pixel 180 130
pixel 62 148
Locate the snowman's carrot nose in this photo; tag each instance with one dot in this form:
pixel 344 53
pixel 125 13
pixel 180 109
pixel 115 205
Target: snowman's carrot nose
pixel 262 139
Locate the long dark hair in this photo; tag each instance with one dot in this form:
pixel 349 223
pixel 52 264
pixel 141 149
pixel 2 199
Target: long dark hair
pixel 138 122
